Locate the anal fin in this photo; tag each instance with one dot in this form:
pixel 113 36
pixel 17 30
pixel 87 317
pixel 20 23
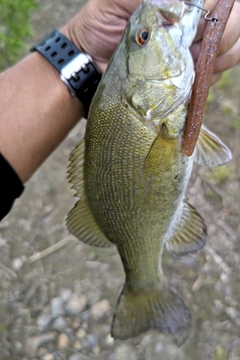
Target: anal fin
pixel 189 233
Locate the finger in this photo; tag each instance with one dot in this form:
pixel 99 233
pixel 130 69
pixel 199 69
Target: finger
pixel 200 30
pixel 232 31
pixel 229 59
pixel 208 5
pixel 195 50
pixel 124 8
pixel 216 78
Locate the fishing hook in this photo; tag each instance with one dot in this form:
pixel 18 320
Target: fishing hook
pixel 213 19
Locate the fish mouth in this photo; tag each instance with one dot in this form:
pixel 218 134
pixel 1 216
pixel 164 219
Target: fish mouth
pixel 170 11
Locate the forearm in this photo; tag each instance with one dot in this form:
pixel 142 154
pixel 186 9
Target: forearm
pixel 36 113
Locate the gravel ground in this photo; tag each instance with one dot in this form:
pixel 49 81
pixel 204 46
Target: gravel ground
pixel 58 295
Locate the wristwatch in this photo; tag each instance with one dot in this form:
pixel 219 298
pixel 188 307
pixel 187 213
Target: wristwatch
pixel 77 69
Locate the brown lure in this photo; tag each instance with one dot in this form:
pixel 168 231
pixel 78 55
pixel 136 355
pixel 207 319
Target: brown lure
pixel 204 70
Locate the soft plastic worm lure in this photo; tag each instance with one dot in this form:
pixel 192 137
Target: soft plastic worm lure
pixel 204 70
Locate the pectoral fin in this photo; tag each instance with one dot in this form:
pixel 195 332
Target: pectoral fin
pixel 210 151
pixel 189 234
pixel 80 220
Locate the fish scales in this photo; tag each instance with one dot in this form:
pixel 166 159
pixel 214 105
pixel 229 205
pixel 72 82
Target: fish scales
pixel 133 183
pixel 130 171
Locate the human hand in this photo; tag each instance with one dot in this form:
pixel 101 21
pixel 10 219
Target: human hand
pixel 97 29
pixel 229 49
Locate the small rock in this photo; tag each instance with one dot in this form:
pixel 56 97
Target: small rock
pixel 18 345
pixel 159 347
pixel 77 345
pixel 110 340
pixel 85 315
pixel 65 294
pixel 48 357
pixel 123 352
pixel 63 340
pixel 96 351
pixel 59 324
pixel 70 333
pixel 75 357
pixel 81 333
pixel 232 313
pixel 17 264
pixel 41 351
pixel 3 242
pixel 43 321
pixel 100 309
pixel 85 326
pixel 92 340
pixel 76 304
pixel 34 342
pixel 75 325
pixel 56 307
pixel 78 357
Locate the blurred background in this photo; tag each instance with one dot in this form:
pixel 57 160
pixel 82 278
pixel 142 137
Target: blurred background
pixel 57 295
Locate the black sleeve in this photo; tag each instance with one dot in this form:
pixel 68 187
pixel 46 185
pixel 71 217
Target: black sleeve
pixel 11 187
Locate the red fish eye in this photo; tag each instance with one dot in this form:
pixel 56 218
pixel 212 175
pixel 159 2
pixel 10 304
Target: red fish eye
pixel 142 36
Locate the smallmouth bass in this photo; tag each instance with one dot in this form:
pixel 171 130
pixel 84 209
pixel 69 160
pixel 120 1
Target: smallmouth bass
pixel 130 171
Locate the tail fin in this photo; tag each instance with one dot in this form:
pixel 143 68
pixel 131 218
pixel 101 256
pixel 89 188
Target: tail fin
pixel 160 309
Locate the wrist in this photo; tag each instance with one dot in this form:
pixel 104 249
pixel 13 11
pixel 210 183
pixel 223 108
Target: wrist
pixel 43 113
pixel 69 32
pixel 76 69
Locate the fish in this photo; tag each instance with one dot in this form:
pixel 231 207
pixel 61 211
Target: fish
pixel 130 172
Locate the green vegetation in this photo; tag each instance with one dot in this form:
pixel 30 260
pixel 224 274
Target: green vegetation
pixel 1 328
pixel 224 82
pixel 210 99
pixel 14 29
pixel 220 354
pixel 234 124
pixel 226 109
pixel 220 175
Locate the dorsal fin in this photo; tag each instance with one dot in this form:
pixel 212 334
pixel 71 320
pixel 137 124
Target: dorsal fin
pixel 75 168
pixel 81 223
pixel 80 220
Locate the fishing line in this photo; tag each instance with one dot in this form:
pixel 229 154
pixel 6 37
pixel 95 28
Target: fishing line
pixel 213 19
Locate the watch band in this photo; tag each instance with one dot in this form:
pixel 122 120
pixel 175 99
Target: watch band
pixel 77 69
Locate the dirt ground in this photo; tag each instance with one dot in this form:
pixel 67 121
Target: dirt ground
pixel 57 295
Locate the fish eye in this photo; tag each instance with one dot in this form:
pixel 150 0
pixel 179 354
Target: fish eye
pixel 142 36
